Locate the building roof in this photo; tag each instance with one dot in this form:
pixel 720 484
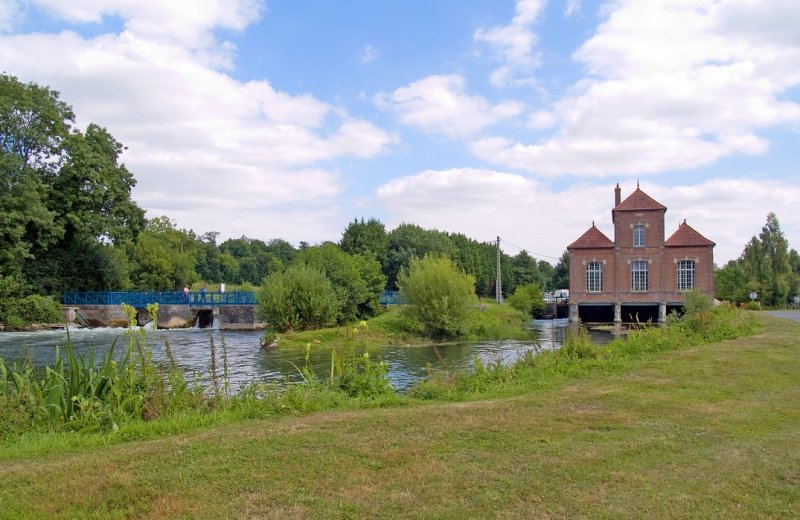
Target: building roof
pixel 687 236
pixel 639 201
pixel 592 239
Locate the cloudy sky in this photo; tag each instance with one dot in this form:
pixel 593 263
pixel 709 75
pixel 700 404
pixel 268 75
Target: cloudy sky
pixel 290 118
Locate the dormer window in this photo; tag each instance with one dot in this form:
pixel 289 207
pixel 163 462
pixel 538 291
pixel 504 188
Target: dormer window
pixel 638 235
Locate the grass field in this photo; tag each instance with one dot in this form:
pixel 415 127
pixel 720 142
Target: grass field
pixel 701 432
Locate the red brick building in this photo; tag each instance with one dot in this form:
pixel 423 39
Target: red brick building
pixel 638 275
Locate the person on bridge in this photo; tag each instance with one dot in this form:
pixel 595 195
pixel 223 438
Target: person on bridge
pixel 186 292
pixel 203 294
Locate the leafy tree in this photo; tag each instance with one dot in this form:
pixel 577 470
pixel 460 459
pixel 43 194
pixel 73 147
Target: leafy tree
pixel 731 282
pixel 366 238
pixel 164 256
pixel 300 298
pixel 766 262
pixel 409 241
pixel 439 296
pixel 561 272
pixel 356 279
pixel 528 298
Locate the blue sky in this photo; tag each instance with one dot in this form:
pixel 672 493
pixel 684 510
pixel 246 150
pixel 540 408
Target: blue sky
pixel 513 118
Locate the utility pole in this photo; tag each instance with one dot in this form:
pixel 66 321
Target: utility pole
pixel 498 286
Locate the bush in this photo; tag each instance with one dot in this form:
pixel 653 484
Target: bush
pixel 528 299
pixel 696 302
pixel 300 298
pixel 39 309
pixel 439 296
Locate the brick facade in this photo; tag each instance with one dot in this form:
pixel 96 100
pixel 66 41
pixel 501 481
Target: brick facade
pixel 639 270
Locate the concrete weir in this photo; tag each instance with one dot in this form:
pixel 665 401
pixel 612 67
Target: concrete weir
pixel 228 317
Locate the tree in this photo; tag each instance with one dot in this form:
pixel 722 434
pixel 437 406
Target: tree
pixel 730 282
pixel 409 241
pixel 366 238
pixel 766 263
pixel 438 294
pixel 357 279
pixel 529 299
pixel 561 273
pixel 300 298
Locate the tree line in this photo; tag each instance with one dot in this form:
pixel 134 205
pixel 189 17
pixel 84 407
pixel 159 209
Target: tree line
pixel 68 222
pixel 766 267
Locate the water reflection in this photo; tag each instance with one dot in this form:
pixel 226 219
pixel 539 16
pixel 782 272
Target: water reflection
pixel 247 362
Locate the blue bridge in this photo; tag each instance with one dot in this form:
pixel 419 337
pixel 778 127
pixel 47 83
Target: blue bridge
pixel 140 299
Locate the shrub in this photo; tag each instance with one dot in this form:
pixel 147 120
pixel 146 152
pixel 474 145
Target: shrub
pixel 528 299
pixel 39 309
pixel 696 302
pixel 300 298
pixel 439 296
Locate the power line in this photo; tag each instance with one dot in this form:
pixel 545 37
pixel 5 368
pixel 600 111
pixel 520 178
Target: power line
pixel 529 251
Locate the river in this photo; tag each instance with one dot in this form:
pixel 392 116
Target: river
pixel 247 362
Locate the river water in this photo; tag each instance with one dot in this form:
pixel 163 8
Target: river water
pixel 248 363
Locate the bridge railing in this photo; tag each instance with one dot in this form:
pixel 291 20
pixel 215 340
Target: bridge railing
pixel 392 298
pixel 140 299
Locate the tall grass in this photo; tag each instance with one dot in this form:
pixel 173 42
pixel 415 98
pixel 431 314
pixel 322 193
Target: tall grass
pixel 578 356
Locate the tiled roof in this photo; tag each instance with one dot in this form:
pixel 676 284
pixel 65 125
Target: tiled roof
pixel 687 236
pixel 638 201
pixel 592 239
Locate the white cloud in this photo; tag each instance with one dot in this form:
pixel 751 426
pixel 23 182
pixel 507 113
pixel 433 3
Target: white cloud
pixel 483 204
pixel 439 104
pixel 187 23
pixel 671 85
pixel 206 149
pixel 513 43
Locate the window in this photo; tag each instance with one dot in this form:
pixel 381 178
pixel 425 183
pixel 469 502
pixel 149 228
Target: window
pixel 594 276
pixel 685 275
pixel 639 275
pixel 638 235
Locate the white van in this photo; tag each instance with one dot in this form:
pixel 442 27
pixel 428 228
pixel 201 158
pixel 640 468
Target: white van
pixel 561 295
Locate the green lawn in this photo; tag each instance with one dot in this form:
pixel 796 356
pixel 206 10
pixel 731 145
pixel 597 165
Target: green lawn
pixel 703 432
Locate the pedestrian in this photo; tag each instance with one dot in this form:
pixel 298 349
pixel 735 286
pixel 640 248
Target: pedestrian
pixel 186 293
pixel 203 294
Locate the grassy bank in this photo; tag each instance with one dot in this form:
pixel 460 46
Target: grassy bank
pixel 700 432
pixel 487 321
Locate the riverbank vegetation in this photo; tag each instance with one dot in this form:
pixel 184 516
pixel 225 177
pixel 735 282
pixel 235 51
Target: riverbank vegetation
pixel 701 431
pixel 133 396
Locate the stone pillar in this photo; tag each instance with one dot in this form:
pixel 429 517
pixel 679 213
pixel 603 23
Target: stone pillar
pixel 573 313
pixel 662 312
pixel 617 312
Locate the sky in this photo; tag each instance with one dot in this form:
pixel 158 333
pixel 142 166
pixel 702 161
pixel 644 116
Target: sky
pixel 289 119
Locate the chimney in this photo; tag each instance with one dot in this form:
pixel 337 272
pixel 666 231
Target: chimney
pixel 617 195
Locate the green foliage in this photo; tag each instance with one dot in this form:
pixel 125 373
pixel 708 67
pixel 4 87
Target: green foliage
pixel 356 279
pixel 300 298
pixel 765 266
pixel 560 278
pixel 528 299
pixel 696 302
pixel 64 197
pixel 439 296
pixel 366 238
pixel 39 309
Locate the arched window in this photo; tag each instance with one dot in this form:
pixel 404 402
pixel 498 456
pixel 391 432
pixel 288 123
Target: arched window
pixel 686 278
pixel 594 277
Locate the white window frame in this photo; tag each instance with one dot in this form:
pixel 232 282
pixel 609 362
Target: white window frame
pixel 594 277
pixel 639 276
pixel 687 275
pixel 639 232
